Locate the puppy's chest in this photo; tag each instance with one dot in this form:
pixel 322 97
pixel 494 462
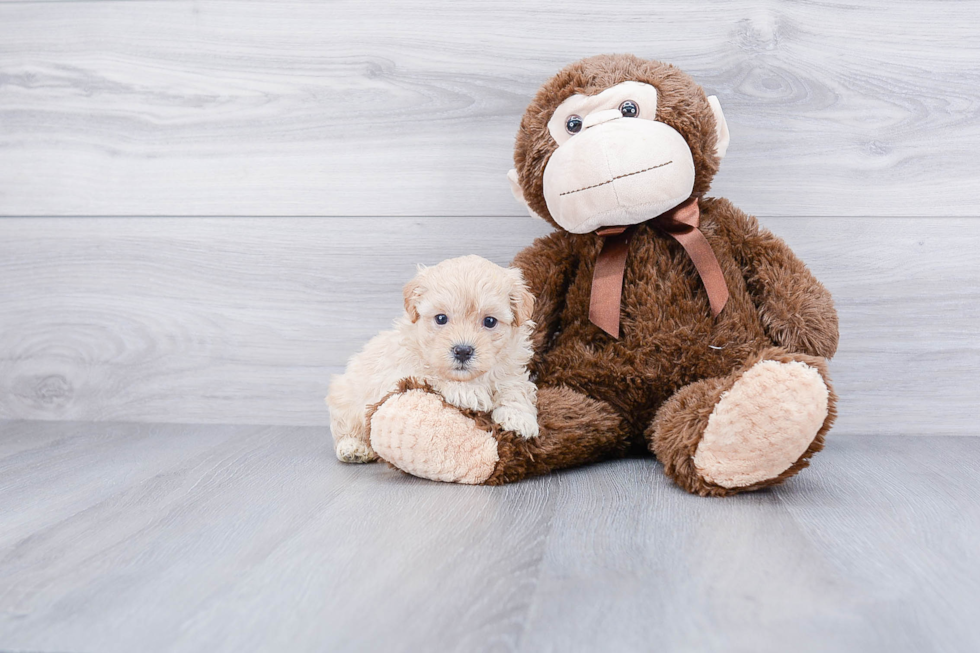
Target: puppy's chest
pixel 472 395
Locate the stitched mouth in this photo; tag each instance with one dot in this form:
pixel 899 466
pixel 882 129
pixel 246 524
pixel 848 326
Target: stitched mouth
pixel 628 174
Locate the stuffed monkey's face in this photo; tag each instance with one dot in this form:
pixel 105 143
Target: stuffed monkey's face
pixel 604 158
pixel 615 164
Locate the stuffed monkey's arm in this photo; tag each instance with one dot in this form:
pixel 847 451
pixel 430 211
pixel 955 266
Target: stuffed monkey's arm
pixel 547 265
pixel 797 311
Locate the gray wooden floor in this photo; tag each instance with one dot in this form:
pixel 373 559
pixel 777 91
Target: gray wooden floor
pixel 144 537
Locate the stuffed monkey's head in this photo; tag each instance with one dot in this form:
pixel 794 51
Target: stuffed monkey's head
pixel 616 140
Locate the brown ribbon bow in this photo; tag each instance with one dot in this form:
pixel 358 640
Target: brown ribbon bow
pixel 682 223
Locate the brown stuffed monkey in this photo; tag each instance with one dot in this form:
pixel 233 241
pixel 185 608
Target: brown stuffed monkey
pixel 666 321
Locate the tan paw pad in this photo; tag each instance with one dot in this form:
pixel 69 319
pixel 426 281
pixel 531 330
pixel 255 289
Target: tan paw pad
pixel 417 433
pixel 763 424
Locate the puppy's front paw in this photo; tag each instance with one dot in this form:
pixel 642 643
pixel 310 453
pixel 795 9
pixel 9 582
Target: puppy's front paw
pixel 350 450
pixel 524 423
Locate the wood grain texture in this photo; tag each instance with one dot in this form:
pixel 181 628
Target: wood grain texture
pixel 98 315
pixel 410 108
pixel 244 320
pixel 145 537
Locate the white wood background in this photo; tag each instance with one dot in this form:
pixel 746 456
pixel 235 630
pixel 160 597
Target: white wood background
pixel 409 107
pixel 855 126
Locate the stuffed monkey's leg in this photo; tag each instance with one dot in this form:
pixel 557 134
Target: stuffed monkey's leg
pixel 755 427
pixel 575 430
pixel 419 433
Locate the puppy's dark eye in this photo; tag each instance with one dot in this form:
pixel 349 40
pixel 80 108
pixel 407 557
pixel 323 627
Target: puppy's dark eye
pixel 629 109
pixel 442 318
pixel 489 322
pixel 573 124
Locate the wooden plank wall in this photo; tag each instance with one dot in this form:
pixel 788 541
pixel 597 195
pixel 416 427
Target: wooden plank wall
pixel 210 205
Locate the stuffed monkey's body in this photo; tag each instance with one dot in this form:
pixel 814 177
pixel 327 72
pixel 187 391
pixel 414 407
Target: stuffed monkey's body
pixel 661 350
pixel 727 403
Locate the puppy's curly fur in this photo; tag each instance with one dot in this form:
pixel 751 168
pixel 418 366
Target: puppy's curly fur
pixel 465 302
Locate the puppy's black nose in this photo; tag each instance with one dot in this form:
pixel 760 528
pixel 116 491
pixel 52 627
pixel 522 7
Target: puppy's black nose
pixel 462 353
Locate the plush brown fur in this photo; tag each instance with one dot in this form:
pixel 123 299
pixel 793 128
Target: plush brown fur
pixel 667 327
pixel 654 387
pixel 575 430
pixel 681 104
pixel 676 431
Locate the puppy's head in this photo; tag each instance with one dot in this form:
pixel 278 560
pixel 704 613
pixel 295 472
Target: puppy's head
pixel 469 316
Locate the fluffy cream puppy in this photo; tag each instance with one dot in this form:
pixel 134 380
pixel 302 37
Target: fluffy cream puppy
pixel 466 332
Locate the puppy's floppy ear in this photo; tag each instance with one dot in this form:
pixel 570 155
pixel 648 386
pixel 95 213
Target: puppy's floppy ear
pixel 413 292
pixel 521 299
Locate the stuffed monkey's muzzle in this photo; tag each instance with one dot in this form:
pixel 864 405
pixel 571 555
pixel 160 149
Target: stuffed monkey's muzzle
pixel 617 171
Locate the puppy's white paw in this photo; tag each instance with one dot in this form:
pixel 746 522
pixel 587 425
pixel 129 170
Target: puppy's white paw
pixel 523 423
pixel 350 450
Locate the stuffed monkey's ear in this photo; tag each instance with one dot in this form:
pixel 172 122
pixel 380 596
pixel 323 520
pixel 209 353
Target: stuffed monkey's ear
pixel 413 292
pixel 515 188
pixel 521 299
pixel 721 127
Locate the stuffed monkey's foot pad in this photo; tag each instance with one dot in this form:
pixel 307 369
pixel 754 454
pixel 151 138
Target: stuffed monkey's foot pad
pixel 417 432
pixel 762 424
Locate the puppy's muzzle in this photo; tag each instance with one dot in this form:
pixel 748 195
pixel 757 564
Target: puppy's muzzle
pixel 462 353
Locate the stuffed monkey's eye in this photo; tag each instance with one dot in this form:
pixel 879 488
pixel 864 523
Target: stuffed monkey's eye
pixel 442 318
pixel 489 322
pixel 573 124
pixel 629 109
